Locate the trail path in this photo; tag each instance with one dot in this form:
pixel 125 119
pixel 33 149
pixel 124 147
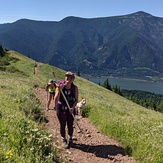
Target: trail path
pixel 90 146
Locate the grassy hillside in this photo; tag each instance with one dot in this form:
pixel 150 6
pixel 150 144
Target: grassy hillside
pixel 22 135
pixel 138 130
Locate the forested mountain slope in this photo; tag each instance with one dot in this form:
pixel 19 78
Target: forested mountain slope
pixel 129 45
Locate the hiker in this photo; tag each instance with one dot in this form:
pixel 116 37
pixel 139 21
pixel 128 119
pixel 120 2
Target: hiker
pixel 50 88
pixel 64 114
pixel 35 69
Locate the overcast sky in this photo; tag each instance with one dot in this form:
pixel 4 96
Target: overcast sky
pixel 56 10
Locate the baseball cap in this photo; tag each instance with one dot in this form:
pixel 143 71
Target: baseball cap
pixel 69 73
pixel 51 81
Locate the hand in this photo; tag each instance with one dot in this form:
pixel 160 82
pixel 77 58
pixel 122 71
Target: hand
pixel 56 84
pixel 61 84
pixel 71 110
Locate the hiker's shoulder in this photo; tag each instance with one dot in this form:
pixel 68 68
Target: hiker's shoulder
pixel 74 87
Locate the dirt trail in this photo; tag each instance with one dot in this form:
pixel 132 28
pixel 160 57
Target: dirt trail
pixel 90 146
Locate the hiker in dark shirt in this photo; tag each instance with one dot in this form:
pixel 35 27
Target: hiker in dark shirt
pixel 64 113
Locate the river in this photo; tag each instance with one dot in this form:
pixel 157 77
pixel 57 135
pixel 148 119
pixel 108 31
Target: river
pixel 130 84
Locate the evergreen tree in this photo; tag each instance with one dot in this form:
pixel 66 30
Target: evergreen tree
pixel 160 107
pixel 106 84
pixel 78 73
pixel 116 89
pixel 2 53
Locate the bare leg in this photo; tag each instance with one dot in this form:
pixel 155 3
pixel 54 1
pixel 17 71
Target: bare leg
pixel 49 101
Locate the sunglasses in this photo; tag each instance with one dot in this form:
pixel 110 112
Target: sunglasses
pixel 69 77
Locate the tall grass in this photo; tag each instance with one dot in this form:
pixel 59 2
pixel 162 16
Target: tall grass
pixel 139 130
pixel 22 139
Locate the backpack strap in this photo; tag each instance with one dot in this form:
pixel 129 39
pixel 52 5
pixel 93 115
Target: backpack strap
pixel 73 87
pixel 62 82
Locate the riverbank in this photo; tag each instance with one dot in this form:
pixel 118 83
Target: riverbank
pixel 129 83
pixel 145 79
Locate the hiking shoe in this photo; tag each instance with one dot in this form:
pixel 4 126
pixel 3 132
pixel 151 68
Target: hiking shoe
pixel 70 143
pixel 47 109
pixel 65 145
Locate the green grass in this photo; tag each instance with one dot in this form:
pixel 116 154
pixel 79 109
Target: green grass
pixel 138 130
pixel 21 136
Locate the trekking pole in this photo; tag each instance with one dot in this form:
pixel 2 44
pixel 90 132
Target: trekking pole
pixel 68 105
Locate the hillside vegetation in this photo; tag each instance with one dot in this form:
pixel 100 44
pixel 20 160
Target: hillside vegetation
pixel 139 130
pixel 145 99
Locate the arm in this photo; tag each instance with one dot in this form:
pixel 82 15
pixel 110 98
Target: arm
pixel 76 97
pixel 46 87
pixel 57 95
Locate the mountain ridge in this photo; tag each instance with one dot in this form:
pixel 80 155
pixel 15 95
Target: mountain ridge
pixel 129 45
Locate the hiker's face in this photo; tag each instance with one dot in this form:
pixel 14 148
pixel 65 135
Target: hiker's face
pixel 69 78
pixel 52 85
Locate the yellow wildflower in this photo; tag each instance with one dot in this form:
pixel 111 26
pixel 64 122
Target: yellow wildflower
pixel 9 154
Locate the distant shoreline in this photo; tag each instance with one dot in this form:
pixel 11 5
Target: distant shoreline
pixel 125 78
pixel 146 85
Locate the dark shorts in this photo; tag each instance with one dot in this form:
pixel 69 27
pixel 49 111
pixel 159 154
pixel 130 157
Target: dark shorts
pixel 52 93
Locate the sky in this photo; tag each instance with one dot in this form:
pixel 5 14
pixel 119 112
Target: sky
pixel 56 10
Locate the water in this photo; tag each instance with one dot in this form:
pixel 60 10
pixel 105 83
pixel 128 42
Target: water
pixel 130 84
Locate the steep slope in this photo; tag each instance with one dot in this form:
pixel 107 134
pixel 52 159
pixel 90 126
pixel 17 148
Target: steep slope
pixel 104 46
pixel 89 145
pixel 138 129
